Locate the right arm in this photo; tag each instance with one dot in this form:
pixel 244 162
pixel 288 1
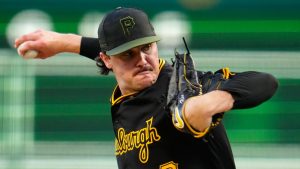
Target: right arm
pixel 49 43
pixel 89 47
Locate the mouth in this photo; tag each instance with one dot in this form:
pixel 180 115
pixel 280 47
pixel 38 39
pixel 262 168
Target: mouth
pixel 144 70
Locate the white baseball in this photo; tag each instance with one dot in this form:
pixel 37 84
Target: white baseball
pixel 30 54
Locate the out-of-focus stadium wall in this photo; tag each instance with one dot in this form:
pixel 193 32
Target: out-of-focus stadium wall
pixel 55 113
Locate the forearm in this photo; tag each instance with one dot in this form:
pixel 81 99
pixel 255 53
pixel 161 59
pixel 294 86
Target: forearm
pixel 85 46
pixel 70 43
pixel 199 110
pixel 60 43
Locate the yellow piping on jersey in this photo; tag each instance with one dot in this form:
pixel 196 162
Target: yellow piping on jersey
pixel 227 73
pixel 196 134
pixel 119 99
pixel 177 120
pixel 161 63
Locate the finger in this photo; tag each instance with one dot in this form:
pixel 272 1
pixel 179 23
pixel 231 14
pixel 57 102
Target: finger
pixel 28 37
pixel 36 46
pixel 24 47
pixel 24 38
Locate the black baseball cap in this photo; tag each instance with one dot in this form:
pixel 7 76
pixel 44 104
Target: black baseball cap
pixel 123 29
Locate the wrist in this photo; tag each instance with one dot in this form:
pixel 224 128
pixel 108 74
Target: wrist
pixel 70 43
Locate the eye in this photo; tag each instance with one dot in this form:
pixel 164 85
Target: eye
pixel 146 48
pixel 126 55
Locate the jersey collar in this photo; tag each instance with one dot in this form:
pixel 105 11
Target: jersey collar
pixel 117 97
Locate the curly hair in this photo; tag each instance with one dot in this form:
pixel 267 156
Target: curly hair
pixel 103 69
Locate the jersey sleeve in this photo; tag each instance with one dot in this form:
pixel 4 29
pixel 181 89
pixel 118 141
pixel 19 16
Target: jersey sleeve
pixel 89 47
pixel 250 88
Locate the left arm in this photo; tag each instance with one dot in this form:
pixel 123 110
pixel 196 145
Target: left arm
pixel 199 110
pixel 242 90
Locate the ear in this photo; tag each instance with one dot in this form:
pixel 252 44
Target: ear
pixel 106 59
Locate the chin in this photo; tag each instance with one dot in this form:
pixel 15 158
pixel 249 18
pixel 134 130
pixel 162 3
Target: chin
pixel 145 80
pixel 146 83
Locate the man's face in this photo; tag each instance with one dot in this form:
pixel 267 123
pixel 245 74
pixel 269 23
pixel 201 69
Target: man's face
pixel 134 69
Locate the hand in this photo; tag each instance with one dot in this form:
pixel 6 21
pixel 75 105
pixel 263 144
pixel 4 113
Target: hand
pixel 48 43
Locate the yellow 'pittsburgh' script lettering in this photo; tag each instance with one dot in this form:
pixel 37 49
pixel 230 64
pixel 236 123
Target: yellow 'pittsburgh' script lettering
pixel 137 139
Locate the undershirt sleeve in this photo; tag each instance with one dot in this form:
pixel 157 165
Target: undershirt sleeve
pixel 89 47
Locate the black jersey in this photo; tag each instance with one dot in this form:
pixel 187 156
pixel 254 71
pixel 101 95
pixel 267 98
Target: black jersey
pixel 145 135
pixel 147 139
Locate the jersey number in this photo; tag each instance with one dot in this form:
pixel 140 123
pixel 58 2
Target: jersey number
pixel 169 165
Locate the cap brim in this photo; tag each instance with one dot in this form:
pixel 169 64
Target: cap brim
pixel 132 44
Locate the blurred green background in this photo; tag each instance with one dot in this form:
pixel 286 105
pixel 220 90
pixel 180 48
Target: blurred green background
pixel 55 113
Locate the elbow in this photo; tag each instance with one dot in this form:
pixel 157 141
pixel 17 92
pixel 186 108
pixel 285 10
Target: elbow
pixel 271 85
pixel 260 90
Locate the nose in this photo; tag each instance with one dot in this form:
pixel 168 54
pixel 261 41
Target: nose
pixel 142 59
